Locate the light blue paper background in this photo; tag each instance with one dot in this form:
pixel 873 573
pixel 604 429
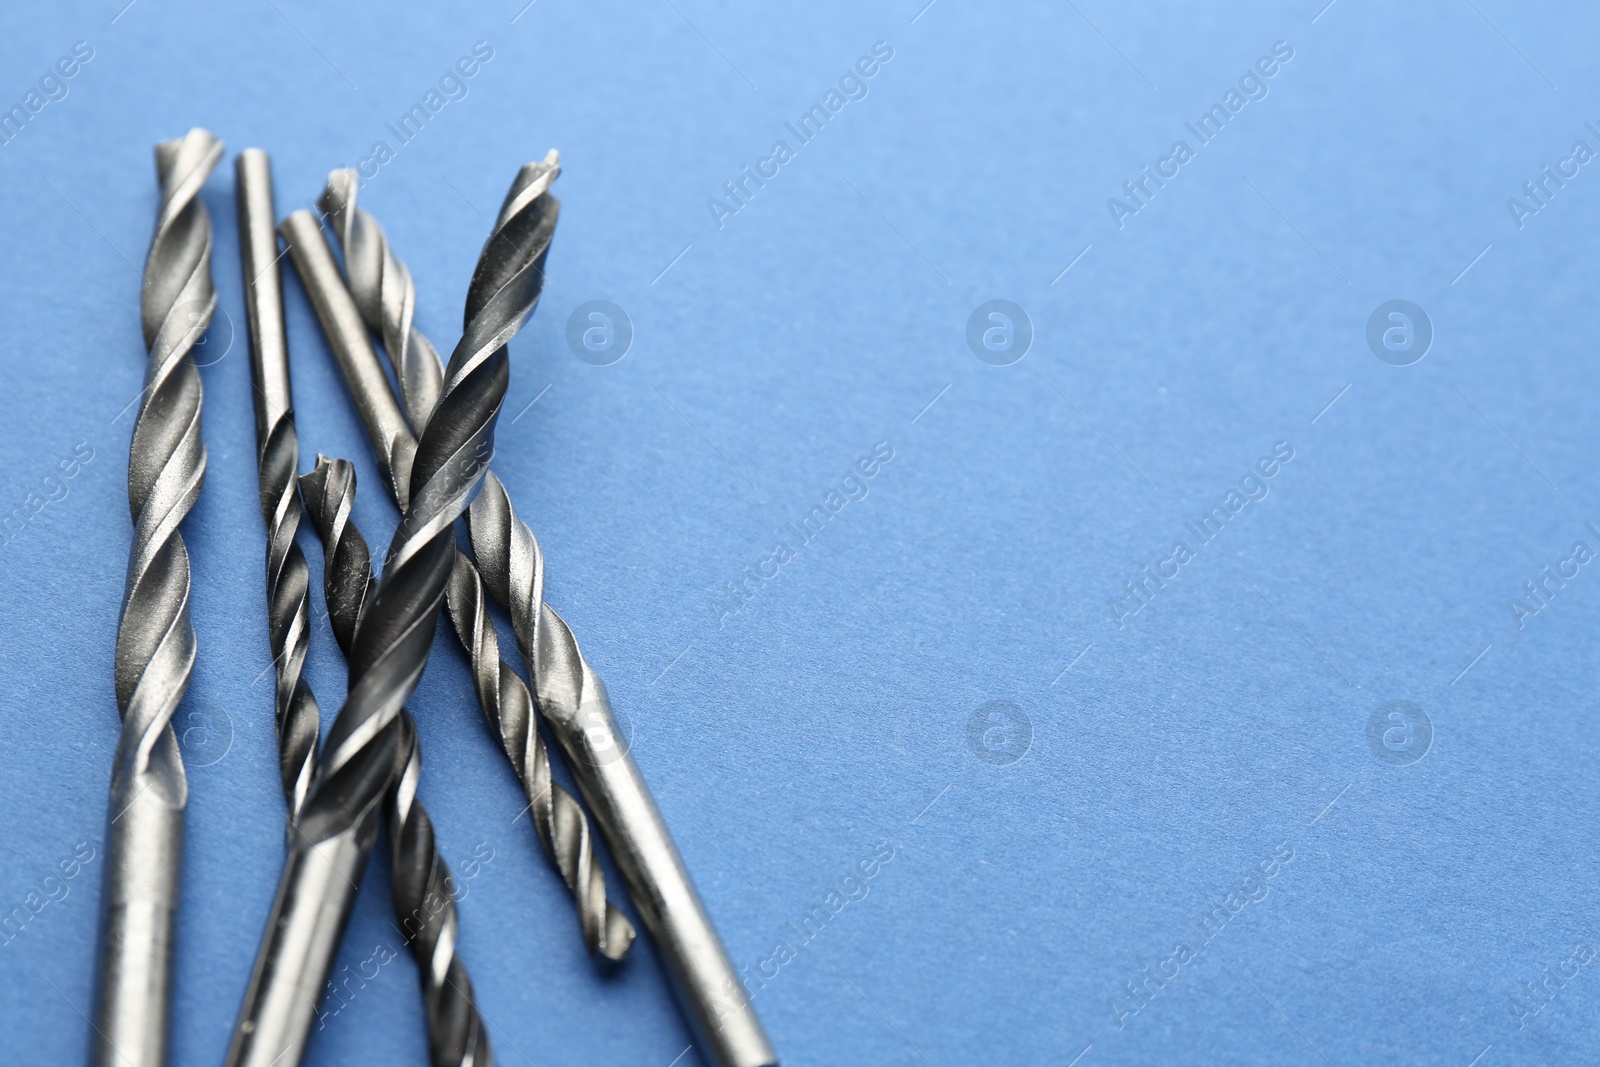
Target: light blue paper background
pixel 831 713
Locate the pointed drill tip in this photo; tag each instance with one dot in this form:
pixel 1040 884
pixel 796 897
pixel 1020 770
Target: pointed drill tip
pixel 198 140
pixel 325 471
pixel 532 181
pixel 318 473
pixel 339 194
pixel 619 936
pixel 313 488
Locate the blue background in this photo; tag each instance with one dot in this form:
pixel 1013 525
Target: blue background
pixel 785 741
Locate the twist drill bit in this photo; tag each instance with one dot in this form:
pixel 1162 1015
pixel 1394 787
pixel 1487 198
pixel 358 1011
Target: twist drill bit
pixel 571 698
pixel 385 297
pixel 278 456
pixel 360 760
pixel 155 638
pixel 560 823
pixel 424 901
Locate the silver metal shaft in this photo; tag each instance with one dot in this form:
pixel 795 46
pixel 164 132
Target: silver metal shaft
pixel 155 640
pixel 571 698
pixel 385 297
pixel 309 913
pixel 278 458
pixel 361 759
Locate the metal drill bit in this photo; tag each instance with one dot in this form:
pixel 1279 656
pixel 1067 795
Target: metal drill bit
pixel 424 901
pixel 560 823
pixel 155 638
pixel 571 698
pixel 360 760
pixel 383 293
pixel 278 457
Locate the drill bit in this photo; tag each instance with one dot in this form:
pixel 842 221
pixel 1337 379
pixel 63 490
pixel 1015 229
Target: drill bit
pixel 361 757
pixel 571 698
pixel 560 823
pixel 278 457
pixel 424 901
pixel 155 638
pixel 385 296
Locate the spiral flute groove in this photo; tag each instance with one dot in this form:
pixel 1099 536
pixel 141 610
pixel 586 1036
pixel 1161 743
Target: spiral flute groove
pixel 424 902
pixel 155 639
pixel 386 297
pixel 297 717
pixel 557 818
